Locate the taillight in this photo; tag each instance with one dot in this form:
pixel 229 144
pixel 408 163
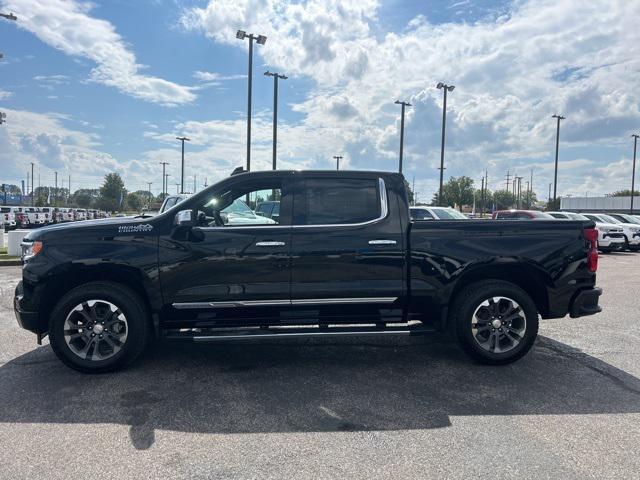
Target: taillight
pixel 591 236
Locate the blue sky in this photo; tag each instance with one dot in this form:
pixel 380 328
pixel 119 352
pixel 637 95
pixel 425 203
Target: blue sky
pixel 91 88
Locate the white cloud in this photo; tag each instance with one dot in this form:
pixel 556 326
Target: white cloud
pixel 213 76
pixel 511 73
pixel 4 94
pixel 67 26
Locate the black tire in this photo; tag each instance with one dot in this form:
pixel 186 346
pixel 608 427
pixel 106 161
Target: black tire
pixel 463 313
pixel 127 301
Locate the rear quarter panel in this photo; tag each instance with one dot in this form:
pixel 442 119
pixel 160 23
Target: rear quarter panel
pixel 549 254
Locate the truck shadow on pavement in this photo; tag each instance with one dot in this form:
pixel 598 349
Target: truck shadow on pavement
pixel 311 386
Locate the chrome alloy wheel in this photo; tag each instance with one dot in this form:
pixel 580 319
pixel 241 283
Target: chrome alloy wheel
pixel 498 324
pixel 95 330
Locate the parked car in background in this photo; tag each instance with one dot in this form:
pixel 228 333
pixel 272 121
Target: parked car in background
pixel 269 209
pixel 631 231
pixel 435 213
pixel 172 200
pixel 521 215
pixel 36 218
pixel 20 214
pixel 48 213
pixel 610 236
pixel 239 213
pixel 7 218
pixel 80 214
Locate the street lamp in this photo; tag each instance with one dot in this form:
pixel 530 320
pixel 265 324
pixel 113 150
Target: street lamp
pixel 276 77
pixel 164 178
pixel 182 139
pixel 261 40
pixel 633 174
pixel 403 104
pixel 555 174
pixel 446 88
pixel 337 159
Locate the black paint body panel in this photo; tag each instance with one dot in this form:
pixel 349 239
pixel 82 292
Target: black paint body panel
pixel 427 265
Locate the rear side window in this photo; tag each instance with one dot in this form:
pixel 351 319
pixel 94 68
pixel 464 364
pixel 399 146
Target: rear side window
pixel 505 216
pixel 170 203
pixel 331 201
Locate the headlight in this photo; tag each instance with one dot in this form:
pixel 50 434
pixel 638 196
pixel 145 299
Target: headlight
pixel 30 250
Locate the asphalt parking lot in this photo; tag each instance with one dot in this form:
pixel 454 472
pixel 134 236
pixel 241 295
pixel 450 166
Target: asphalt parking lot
pixel 357 408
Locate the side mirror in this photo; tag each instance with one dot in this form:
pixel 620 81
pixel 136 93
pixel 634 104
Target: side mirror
pixel 184 218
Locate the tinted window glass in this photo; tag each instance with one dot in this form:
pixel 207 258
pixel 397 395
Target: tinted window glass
pixel 339 201
pixel 449 214
pixel 170 203
pixel 505 216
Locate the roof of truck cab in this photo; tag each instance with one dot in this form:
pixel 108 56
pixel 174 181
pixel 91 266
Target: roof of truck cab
pixel 333 173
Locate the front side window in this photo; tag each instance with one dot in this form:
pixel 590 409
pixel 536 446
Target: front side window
pixel 236 207
pixel 343 201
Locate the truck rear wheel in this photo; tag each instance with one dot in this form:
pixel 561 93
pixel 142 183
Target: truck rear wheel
pixel 99 327
pixel 495 322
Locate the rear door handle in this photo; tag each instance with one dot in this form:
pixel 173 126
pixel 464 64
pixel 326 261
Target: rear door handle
pixel 270 244
pixel 382 242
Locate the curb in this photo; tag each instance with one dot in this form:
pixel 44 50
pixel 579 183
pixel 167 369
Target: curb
pixel 10 263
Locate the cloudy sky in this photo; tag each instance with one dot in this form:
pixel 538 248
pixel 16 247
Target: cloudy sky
pixel 91 88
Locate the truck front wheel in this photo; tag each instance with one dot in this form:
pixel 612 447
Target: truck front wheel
pixel 99 327
pixel 495 322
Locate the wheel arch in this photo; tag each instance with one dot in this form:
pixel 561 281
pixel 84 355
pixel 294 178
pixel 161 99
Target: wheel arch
pixel 521 274
pixel 76 275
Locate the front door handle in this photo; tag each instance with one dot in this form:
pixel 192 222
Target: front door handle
pixel 270 244
pixel 382 242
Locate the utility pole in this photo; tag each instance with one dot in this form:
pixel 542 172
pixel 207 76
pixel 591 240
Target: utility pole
pixel 149 183
pixel 194 183
pixel 55 197
pixel 164 178
pixel 633 174
pixel 27 190
pixel 32 181
pixel 507 184
pixel 177 188
pixel 555 175
pixel 261 40
pixel 276 77
pixel 482 198
pixel 182 139
pixel 413 189
pixel 445 88
pixel 549 194
pixel 528 196
pixel 337 158
pixel 403 104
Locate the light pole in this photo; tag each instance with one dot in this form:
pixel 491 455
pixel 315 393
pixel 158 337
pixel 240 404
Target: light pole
pixel 149 183
pixel 446 88
pixel 555 174
pixel 276 77
pixel 261 40
pixel 403 104
pixel 633 174
pixel 182 139
pixel 164 184
pixel 337 159
pixel 55 196
pixel 32 180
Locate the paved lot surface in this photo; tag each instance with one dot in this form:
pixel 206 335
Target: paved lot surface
pixel 392 408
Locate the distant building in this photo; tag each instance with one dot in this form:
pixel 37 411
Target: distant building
pixel 600 204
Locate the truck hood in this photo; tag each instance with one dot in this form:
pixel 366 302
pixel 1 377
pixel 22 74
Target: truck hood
pixel 110 226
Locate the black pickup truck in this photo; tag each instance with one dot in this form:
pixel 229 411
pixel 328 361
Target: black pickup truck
pixel 342 257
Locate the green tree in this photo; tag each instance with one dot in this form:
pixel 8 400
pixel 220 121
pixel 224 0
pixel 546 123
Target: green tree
pixel 112 193
pixel 503 199
pixel 458 191
pixel 624 193
pixel 409 192
pixel 41 196
pixel 137 200
pixel 84 197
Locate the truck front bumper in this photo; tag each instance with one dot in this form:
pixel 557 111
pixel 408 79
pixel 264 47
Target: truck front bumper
pixel 585 303
pixel 27 319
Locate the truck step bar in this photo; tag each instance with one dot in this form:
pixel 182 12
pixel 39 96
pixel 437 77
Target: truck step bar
pixel 217 335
